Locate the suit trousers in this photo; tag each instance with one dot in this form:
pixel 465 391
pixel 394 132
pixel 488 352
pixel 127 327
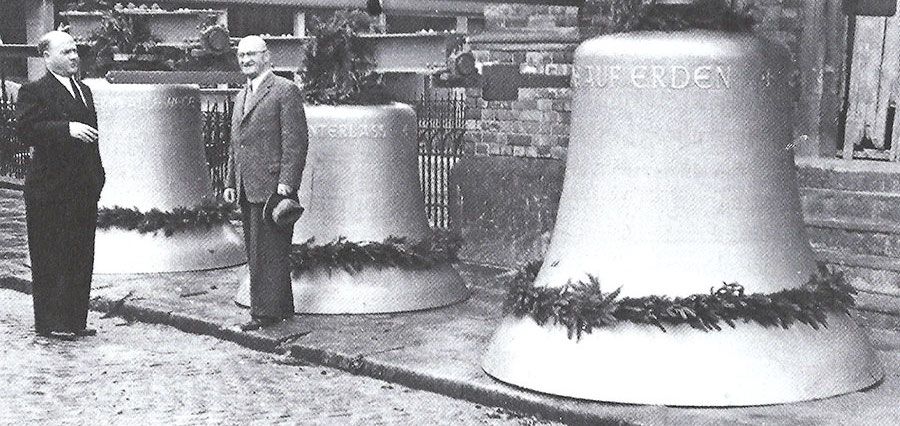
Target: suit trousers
pixel 61 234
pixel 268 258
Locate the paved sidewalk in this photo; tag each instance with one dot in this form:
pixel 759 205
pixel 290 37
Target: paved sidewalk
pixel 140 374
pixel 436 350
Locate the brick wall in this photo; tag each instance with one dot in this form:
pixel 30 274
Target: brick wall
pixel 542 39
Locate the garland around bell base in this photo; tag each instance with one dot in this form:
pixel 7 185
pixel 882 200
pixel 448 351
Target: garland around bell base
pixel 205 215
pixel 583 306
pixel 439 247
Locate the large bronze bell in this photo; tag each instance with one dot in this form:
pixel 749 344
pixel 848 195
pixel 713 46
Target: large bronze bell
pixel 361 183
pixel 153 153
pixel 680 176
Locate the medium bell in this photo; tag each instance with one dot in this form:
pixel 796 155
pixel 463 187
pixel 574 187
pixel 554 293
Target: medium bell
pixel 680 178
pixel 361 185
pixel 153 153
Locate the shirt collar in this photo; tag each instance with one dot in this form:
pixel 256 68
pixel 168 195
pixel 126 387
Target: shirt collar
pixel 64 80
pixel 255 82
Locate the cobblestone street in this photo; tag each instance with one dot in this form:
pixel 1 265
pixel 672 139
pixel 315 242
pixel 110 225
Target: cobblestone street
pixel 134 373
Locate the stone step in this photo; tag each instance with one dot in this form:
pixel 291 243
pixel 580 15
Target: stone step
pixel 877 238
pixel 836 174
pixel 888 265
pixel 853 205
pixel 876 277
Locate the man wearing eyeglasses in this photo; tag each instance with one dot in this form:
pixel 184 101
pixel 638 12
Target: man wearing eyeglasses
pixel 267 155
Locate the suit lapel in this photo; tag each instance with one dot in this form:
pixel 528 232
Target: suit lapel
pixel 237 113
pixel 261 93
pixel 63 96
pixel 88 96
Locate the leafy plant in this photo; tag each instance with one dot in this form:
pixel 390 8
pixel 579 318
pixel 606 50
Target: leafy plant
pixel 207 214
pixel 87 5
pixel 397 252
pixel 339 68
pixel 643 15
pixel 701 14
pixel 118 33
pixel 583 306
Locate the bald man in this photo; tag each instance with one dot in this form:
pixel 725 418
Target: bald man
pixel 56 116
pixel 267 155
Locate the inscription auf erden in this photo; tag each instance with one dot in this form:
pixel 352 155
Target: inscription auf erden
pixel 711 77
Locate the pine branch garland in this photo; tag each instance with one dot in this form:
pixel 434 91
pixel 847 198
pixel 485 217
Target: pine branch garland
pixel 179 219
pixel 717 15
pixel 440 247
pixel 583 306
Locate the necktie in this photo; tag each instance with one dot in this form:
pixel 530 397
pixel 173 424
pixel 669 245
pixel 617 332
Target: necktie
pixel 77 90
pixel 247 97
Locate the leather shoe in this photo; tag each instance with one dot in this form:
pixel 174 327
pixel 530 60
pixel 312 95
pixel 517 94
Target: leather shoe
pixel 86 332
pixel 58 335
pixel 259 322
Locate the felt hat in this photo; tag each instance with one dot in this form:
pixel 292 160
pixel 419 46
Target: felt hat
pixel 282 210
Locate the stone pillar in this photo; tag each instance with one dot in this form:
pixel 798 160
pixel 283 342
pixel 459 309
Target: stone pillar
pixel 462 24
pixel 300 23
pixel 39 15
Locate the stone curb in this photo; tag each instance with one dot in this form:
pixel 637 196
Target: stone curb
pixel 11 183
pixel 459 389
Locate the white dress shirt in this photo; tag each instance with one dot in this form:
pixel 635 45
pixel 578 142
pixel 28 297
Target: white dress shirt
pixel 68 85
pixel 255 82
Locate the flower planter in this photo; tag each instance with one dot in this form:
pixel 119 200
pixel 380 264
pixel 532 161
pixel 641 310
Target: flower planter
pixel 168 27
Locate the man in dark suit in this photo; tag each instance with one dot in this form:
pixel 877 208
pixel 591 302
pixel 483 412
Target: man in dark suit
pixel 267 155
pixel 56 116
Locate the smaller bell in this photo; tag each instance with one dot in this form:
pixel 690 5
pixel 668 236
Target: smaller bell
pixel 152 150
pixel 361 186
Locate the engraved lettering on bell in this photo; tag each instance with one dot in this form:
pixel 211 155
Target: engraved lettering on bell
pixel 360 130
pixel 706 77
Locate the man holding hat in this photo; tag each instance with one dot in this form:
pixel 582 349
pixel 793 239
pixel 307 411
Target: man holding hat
pixel 265 163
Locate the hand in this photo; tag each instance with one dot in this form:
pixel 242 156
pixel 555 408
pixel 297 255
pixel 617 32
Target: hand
pixel 284 190
pixel 230 195
pixel 83 132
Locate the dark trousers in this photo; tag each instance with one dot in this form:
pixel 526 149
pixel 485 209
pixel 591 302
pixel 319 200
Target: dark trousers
pixel 61 244
pixel 268 257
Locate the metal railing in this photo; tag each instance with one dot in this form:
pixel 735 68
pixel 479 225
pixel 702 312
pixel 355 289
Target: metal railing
pixel 216 136
pixel 14 155
pixel 441 127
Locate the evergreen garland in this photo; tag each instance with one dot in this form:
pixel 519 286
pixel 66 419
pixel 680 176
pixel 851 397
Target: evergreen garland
pixel 715 15
pixel 583 306
pixel 206 215
pixel 650 15
pixel 439 247
pixel 339 69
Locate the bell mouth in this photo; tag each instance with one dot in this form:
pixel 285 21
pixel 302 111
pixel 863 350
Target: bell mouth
pixel 748 365
pixel 370 291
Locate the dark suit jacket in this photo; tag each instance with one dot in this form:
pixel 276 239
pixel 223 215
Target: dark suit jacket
pixel 269 142
pixel 60 165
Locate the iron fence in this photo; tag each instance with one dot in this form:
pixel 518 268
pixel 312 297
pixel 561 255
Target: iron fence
pixel 216 134
pixel 14 155
pixel 441 127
